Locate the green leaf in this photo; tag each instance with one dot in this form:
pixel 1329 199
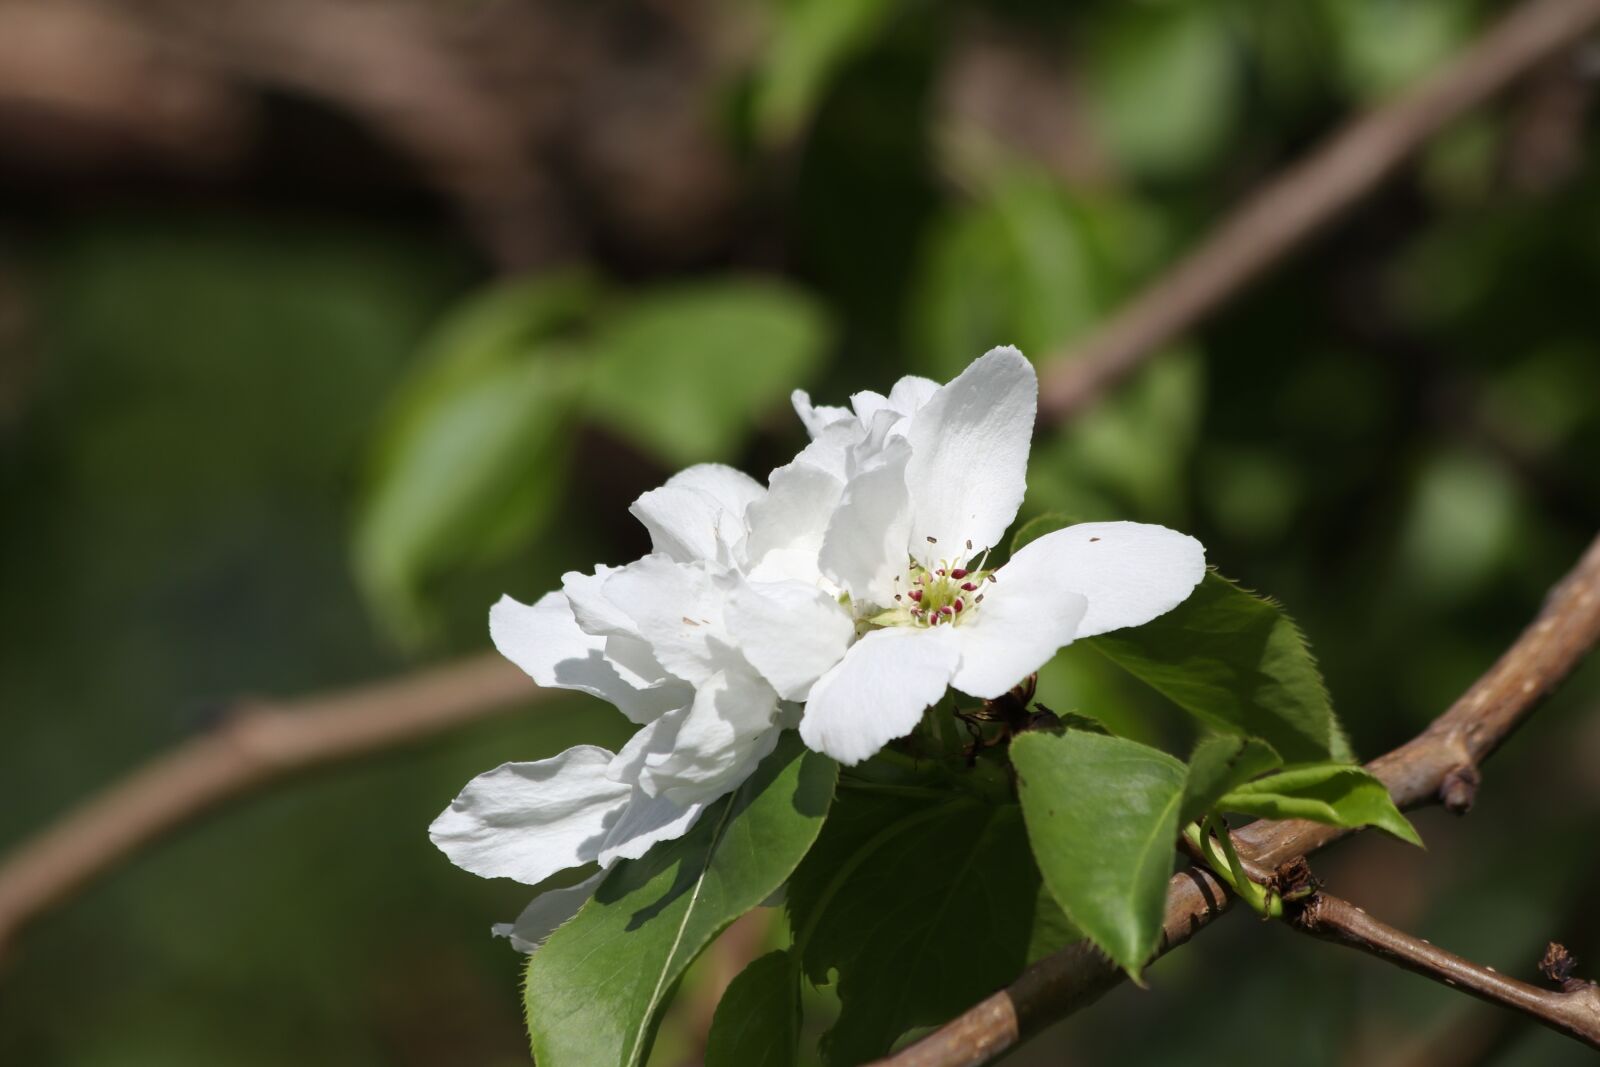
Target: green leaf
pixel 921 908
pixel 464 473
pixel 596 989
pixel 685 372
pixel 1016 267
pixel 1102 815
pixel 1162 85
pixel 1218 765
pixel 1239 664
pixel 757 1021
pixel 810 40
pixel 469 455
pixel 1052 930
pixel 1332 793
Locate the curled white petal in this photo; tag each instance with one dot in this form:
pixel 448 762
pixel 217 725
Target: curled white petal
pixel 545 912
pixel 545 641
pixel 864 551
pixel 526 821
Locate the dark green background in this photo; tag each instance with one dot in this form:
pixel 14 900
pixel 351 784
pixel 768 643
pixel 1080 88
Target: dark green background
pixel 1395 434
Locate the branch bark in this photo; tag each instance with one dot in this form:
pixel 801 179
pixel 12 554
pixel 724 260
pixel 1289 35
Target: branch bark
pixel 1305 198
pixel 1573 1010
pixel 257 743
pixel 258 747
pixel 1440 765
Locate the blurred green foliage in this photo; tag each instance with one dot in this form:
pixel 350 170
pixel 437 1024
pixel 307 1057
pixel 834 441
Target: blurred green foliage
pixel 248 449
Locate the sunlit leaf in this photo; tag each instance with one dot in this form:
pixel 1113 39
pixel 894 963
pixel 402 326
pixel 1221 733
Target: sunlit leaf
pixel 1219 764
pixel 1336 794
pixel 596 989
pixel 1102 816
pixel 1239 664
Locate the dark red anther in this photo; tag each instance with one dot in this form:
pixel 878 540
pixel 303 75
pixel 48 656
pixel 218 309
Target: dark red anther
pixel 940 572
pixel 916 594
pixel 969 586
pixel 958 605
pixel 947 610
pixel 959 573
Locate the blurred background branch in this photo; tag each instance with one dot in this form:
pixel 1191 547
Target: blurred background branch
pixel 324 323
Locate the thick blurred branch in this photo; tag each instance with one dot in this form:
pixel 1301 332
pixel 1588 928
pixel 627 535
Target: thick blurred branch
pixel 1440 765
pixel 256 744
pixel 1306 197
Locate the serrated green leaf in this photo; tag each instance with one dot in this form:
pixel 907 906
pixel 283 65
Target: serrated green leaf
pixel 684 372
pixel 1333 793
pixel 595 991
pixel 757 1021
pixel 1238 664
pixel 919 908
pixel 1218 765
pixel 1102 816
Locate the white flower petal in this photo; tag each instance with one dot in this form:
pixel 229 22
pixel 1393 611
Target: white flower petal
pixel 879 691
pixel 864 550
pixel 545 912
pixel 678 610
pixel 699 513
pixel 1028 613
pixel 644 821
pixel 545 641
pixel 911 393
pixel 792 632
pixel 1130 571
pixel 701 751
pixel 969 457
pixel 792 517
pixel 529 820
pixel 815 417
pixel 732 488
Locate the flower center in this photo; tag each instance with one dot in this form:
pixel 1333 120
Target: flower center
pixel 942 596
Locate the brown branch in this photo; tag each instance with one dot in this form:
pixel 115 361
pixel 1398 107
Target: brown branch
pixel 259 746
pixel 256 744
pixel 1306 197
pixel 1436 766
pixel 1573 1010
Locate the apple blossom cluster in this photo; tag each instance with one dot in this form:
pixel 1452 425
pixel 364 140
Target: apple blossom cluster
pixel 843 598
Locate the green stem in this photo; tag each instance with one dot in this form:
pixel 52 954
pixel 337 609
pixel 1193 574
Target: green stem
pixel 1230 868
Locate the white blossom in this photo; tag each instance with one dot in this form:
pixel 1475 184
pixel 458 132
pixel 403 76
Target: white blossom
pixel 847 595
pixel 903 499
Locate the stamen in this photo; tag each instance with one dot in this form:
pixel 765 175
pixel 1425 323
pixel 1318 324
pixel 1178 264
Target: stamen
pixel 969 586
pixel 978 599
pixel 958 574
pixel 897 596
pixel 969 544
pixel 958 605
pixel 932 540
pixel 947 611
pixel 916 594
